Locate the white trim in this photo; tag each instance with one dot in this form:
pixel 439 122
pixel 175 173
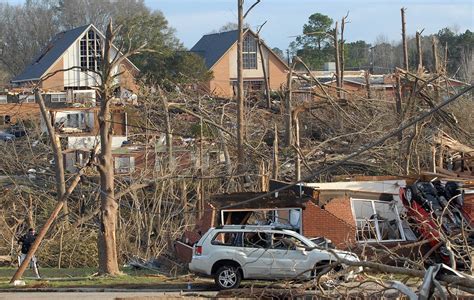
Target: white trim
pixel 376 223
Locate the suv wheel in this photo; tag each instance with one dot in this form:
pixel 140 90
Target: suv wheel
pixel 227 277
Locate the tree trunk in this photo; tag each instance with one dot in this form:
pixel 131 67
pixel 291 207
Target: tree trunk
pixel 288 105
pixel 343 25
pixel 435 56
pixel 337 58
pixel 367 85
pixel 275 154
pixel 107 247
pixel 169 136
pixel 404 40
pixel 419 53
pixel 240 91
pixel 297 148
pixel 265 73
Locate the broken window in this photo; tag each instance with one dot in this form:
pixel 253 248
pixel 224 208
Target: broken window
pixel 227 239
pixel 91 51
pixel 3 99
pixel 84 97
pixel 377 221
pixel 256 240
pixel 288 218
pixel 73 120
pixel 286 242
pixel 249 52
pixel 124 165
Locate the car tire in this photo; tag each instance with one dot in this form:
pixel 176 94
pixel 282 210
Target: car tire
pixel 227 277
pixel 411 193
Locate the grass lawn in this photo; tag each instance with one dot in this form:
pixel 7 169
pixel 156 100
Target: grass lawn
pixel 85 277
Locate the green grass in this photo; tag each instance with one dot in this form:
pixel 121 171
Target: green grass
pixel 85 277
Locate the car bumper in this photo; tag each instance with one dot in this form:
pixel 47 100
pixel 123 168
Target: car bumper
pixel 200 264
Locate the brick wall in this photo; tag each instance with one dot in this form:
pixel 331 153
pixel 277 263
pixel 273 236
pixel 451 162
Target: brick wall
pixel 55 82
pixel 220 84
pixel 277 72
pixel 335 223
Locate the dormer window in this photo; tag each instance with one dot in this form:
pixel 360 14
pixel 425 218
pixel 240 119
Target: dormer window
pixel 250 52
pixel 91 51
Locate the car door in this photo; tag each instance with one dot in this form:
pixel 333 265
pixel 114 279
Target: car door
pixel 289 257
pixel 253 256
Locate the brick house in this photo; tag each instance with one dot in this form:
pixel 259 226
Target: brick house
pixel 219 51
pixel 78 52
pixel 347 213
pixel 66 72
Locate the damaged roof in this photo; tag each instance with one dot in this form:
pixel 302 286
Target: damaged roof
pixel 50 54
pixel 285 199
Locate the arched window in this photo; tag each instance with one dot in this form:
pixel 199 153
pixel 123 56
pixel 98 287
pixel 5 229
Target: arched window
pixel 91 51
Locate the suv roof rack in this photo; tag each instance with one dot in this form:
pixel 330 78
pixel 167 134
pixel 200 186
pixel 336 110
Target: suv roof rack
pixel 272 227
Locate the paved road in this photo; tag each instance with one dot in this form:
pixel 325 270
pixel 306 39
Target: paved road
pixel 102 295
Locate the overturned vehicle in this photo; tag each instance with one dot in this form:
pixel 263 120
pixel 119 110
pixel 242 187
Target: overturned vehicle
pixel 436 212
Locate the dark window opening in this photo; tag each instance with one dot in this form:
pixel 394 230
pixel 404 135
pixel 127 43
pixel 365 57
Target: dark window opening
pixel 91 51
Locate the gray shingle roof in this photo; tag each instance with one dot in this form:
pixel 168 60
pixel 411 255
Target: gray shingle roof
pixel 50 54
pixel 213 46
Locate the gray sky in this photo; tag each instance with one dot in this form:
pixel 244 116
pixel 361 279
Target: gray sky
pixel 368 18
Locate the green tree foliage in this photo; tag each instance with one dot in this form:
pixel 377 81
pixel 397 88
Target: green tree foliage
pixel 165 60
pixel 356 55
pixel 314 46
pixel 460 47
pixel 280 53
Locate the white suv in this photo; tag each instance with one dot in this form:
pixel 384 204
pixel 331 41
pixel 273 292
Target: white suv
pixel 231 253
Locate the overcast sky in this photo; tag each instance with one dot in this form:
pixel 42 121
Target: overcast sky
pixel 368 18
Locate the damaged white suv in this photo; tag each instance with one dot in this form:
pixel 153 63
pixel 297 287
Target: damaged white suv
pixel 234 252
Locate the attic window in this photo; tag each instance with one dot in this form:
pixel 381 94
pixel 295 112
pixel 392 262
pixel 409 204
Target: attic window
pixel 91 51
pixel 250 52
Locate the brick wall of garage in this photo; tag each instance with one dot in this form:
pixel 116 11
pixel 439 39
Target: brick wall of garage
pixel 334 222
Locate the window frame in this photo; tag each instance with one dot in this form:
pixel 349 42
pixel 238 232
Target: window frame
pixel 90 51
pixel 130 165
pixel 238 238
pixel 376 222
pixel 58 97
pixel 249 53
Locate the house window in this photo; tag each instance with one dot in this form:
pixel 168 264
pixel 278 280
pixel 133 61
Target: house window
pixel 27 98
pixel 3 99
pixel 377 221
pixel 91 51
pixel 60 97
pixel 84 97
pixel 250 52
pixel 124 165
